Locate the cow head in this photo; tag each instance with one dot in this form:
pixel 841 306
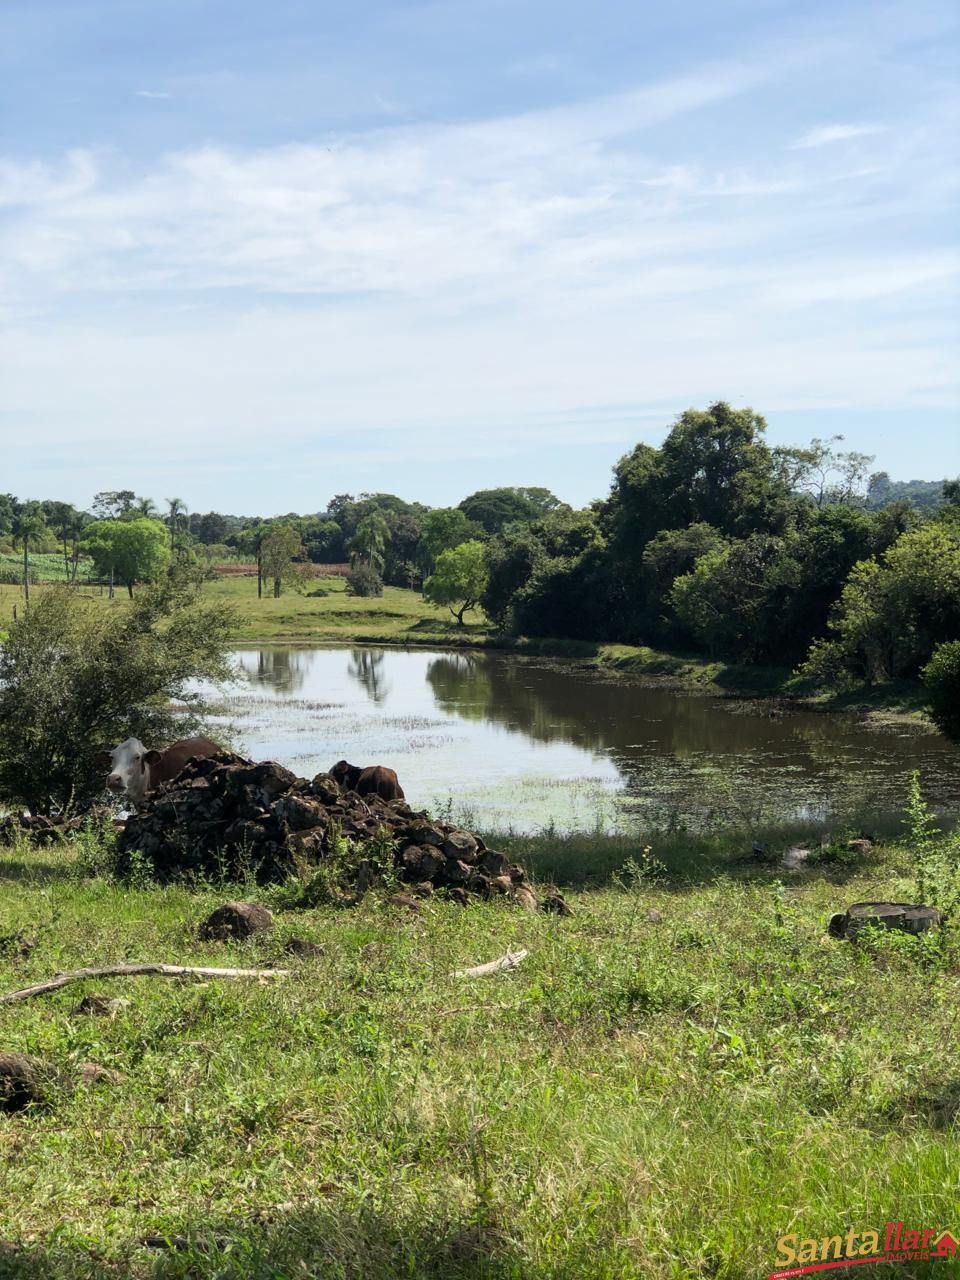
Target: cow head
pixel 128 768
pixel 346 774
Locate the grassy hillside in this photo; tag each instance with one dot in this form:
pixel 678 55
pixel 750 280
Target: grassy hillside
pixel 640 1099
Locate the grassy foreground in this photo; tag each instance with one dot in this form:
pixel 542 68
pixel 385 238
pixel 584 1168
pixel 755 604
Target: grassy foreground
pixel 639 1099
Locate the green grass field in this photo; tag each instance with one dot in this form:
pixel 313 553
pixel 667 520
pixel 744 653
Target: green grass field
pixel 639 1099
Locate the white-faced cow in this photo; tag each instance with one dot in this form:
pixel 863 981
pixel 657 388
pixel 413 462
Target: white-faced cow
pixel 374 780
pixel 134 770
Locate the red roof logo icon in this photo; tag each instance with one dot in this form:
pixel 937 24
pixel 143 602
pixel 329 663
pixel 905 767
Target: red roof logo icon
pixel 944 1246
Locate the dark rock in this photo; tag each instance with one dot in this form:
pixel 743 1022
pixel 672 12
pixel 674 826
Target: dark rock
pixel 479 884
pixel 23 1080
pixel 654 916
pixel 299 813
pixel 456 894
pixel 500 884
pixel 424 889
pixel 907 917
pixel 236 920
pixel 556 903
pixel 456 872
pixel 460 844
pixel 404 901
pixel 326 788
pixel 310 844
pixel 493 863
pixel 524 897
pixel 300 947
pixel 92 1073
pixel 424 833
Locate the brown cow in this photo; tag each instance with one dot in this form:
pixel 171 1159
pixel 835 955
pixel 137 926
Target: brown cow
pixel 374 780
pixel 135 770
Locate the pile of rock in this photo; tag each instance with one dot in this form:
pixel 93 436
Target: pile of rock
pixel 39 830
pixel 225 816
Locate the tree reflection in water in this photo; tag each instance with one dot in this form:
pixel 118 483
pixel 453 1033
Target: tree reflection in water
pixel 366 666
pixel 283 670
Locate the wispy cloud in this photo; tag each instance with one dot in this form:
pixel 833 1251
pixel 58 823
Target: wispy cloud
pixel 151 93
pixel 445 280
pixel 825 135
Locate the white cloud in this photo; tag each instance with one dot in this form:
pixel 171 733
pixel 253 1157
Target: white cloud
pixel 826 134
pixel 151 93
pixel 439 281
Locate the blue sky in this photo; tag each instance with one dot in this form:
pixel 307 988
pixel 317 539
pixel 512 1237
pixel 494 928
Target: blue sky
pixel 255 254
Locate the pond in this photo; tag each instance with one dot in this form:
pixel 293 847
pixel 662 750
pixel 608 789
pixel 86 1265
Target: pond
pixel 506 742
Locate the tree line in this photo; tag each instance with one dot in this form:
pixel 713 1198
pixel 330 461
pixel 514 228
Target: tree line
pixel 714 542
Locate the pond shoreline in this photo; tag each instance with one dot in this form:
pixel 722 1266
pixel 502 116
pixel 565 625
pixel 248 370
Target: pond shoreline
pixel 898 706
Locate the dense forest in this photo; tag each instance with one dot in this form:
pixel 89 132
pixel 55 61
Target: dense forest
pixel 714 542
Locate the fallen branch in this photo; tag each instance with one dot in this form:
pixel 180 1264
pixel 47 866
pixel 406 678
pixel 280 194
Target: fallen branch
pixel 510 961
pixel 128 970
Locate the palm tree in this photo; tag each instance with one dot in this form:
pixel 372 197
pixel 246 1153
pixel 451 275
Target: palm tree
pixel 146 508
pixel 367 544
pixel 67 523
pixel 28 525
pixel 176 511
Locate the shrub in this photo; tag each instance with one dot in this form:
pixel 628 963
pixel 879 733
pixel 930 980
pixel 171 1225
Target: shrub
pixel 76 678
pixel 941 676
pixel 362 580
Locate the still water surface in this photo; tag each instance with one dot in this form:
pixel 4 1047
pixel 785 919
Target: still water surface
pixel 512 742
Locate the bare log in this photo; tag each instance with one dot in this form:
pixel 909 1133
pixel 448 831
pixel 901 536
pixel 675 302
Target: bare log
pixel 130 970
pixel 509 961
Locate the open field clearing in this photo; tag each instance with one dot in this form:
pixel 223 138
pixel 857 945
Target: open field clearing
pixel 643 1097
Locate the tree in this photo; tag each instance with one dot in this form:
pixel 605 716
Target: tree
pixel 731 600
pixel 323 540
pixel 442 529
pixel 366 547
pixel 177 520
pixel 459 579
pixel 825 474
pixel 895 609
pixel 537 572
pixel 941 678
pixel 283 558
pixel 68 524
pixel 76 679
pixel 494 509
pixel 111 504
pixel 362 580
pixel 512 558
pixel 8 509
pixel 145 508
pixel 666 557
pixel 28 526
pixel 210 528
pixel 129 551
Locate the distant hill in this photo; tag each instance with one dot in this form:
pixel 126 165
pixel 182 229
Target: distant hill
pixel 925 495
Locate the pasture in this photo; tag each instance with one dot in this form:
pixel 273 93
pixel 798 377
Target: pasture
pixel 641 1098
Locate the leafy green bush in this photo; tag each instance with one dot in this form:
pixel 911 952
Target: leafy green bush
pixel 941 676
pixel 77 678
pixel 363 580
